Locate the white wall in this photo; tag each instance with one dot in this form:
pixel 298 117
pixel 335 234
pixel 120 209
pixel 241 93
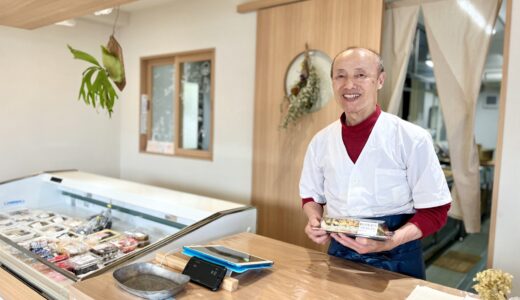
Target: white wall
pixel 42 125
pixel 507 241
pixel 486 119
pixel 185 26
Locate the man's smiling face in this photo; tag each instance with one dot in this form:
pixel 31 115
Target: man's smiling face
pixel 355 79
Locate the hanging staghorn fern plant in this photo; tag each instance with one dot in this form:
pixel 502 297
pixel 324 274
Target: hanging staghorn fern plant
pixel 96 85
pixel 303 95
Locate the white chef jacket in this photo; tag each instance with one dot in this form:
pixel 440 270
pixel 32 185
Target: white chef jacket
pixel 396 172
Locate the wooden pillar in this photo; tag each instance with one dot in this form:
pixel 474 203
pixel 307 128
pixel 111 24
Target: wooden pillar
pixel 283 30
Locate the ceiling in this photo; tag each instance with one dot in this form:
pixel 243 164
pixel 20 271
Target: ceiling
pixel 32 14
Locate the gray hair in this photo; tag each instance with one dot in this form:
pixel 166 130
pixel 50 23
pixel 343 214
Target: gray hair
pixel 381 67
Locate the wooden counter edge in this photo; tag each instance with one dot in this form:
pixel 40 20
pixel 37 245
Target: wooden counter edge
pixel 12 288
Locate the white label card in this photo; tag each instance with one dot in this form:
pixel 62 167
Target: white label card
pixel 367 228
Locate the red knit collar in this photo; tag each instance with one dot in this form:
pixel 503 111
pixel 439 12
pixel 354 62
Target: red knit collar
pixel 366 124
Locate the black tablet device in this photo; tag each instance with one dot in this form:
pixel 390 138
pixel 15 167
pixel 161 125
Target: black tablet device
pixel 205 273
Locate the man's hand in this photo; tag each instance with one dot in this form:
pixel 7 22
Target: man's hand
pixel 408 232
pixel 314 211
pixel 363 245
pixel 314 232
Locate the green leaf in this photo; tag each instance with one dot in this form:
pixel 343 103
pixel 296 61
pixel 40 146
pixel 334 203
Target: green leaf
pixel 92 68
pixel 112 64
pixel 88 79
pixel 82 87
pixel 96 87
pixel 83 56
pixel 98 90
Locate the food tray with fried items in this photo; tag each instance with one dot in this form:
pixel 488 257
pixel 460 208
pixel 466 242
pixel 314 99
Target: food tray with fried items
pixel 369 228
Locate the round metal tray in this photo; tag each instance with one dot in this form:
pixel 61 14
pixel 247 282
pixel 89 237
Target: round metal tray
pixel 150 281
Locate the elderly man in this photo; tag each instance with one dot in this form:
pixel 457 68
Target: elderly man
pixel 370 164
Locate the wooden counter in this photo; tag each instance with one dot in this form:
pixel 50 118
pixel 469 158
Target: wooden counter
pixel 297 273
pixel 12 288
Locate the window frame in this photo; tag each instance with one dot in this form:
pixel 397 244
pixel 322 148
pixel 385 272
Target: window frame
pixel 146 88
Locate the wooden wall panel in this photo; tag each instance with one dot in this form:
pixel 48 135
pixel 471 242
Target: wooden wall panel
pixel 327 25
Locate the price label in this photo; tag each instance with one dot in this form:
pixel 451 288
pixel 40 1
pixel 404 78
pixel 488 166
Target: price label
pixel 367 228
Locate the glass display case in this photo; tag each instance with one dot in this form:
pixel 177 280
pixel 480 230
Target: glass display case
pixel 57 228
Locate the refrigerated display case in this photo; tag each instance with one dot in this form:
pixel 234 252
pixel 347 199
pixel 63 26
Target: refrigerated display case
pixel 57 228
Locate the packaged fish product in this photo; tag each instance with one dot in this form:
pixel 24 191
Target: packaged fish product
pixel 4 224
pixel 45 252
pixel 126 244
pixel 64 264
pixel 53 230
pixel 137 235
pixel 18 234
pixel 36 242
pixel 84 263
pixel 72 247
pixel 67 236
pixel 106 251
pixel 38 224
pixel 74 224
pixel 373 229
pixel 23 218
pixel 57 258
pixel 20 213
pixel 58 219
pixel 43 214
pixel 142 244
pixel 101 236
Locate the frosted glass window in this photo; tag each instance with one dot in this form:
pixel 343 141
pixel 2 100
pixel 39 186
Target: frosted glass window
pixel 196 104
pixel 163 90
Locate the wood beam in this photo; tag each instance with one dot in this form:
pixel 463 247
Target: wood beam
pixel 30 14
pixel 261 4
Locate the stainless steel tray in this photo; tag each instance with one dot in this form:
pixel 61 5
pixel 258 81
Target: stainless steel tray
pixel 150 281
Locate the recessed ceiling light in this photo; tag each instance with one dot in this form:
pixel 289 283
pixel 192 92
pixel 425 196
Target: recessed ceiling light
pixel 103 12
pixel 68 23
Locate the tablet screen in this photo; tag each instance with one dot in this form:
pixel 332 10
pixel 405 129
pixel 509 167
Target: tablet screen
pixel 230 255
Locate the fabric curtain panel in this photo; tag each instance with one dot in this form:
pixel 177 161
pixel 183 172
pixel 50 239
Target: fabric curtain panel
pixel 459 33
pixel 398 32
